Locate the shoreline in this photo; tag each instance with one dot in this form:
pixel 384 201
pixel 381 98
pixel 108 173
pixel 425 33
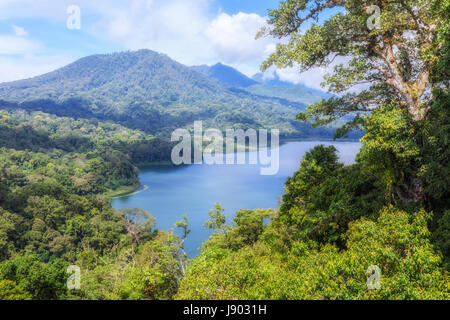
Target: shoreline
pixel 126 191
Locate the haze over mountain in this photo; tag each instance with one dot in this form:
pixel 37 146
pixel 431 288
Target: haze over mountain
pixel 273 86
pixel 150 91
pixel 273 80
pixel 226 74
pixel 262 85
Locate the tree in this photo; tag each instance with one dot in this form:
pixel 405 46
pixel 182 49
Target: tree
pixel 9 227
pixel 150 271
pixel 396 242
pixel 317 165
pixel 182 257
pixel 10 291
pixel 401 60
pixel 41 281
pixel 139 223
pixel 184 225
pixel 247 227
pixel 393 58
pixel 218 219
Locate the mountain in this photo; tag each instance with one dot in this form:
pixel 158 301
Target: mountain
pixel 149 91
pixel 275 81
pixel 275 87
pixel 226 75
pixel 292 93
pixel 272 87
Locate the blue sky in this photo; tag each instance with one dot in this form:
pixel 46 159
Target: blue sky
pixel 34 37
pixel 259 7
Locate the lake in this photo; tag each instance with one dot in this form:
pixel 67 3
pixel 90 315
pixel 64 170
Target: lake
pixel 169 192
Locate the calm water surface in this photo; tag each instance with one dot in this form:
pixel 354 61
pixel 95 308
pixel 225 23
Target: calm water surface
pixel 192 190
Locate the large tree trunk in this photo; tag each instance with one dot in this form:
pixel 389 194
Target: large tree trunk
pixel 410 190
pixel 414 109
pixel 412 91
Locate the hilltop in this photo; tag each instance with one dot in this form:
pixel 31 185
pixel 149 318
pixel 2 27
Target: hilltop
pixel 149 91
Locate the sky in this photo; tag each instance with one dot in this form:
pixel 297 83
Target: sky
pixel 35 37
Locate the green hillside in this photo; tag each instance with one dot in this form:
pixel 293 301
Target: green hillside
pixel 149 91
pixel 226 74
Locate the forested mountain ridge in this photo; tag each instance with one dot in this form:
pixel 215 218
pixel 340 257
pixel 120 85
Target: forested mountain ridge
pixel 226 74
pixel 272 87
pixel 104 152
pixel 150 91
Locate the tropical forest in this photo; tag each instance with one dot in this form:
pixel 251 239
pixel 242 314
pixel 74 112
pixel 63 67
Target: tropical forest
pixel 88 183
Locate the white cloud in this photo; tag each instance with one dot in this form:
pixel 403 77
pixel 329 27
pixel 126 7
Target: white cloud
pixel 29 66
pixel 312 78
pixel 21 57
pixel 173 27
pixel 10 45
pixel 33 9
pixel 233 37
pixel 187 31
pixel 19 31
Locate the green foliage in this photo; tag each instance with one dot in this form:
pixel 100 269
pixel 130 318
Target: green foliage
pixel 397 243
pixel 52 214
pixel 218 219
pixel 395 59
pixel 412 158
pixel 323 196
pixel 317 165
pixel 183 224
pixel 441 236
pixel 41 281
pixel 434 139
pixel 140 224
pixel 247 228
pixel 391 149
pixel 42 132
pixel 390 209
pixel 335 221
pixel 245 231
pixel 10 291
pixel 151 271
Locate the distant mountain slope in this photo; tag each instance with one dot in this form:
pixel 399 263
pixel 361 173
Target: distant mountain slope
pixel 275 87
pixel 152 92
pixel 291 93
pixel 272 87
pixel 226 75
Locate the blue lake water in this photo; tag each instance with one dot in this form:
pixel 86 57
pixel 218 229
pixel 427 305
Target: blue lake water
pixel 192 190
